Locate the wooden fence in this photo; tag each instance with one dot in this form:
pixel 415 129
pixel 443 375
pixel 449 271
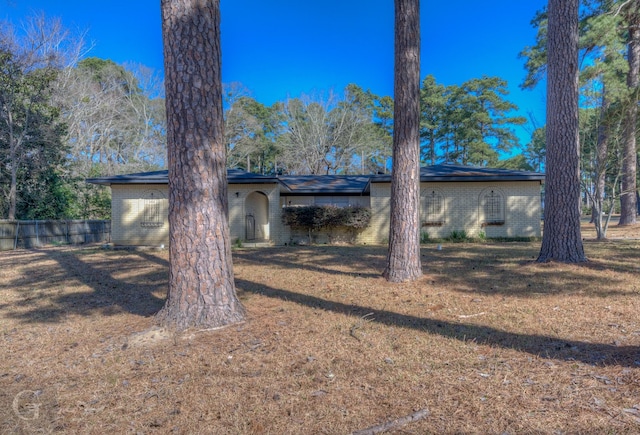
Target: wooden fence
pixel 32 234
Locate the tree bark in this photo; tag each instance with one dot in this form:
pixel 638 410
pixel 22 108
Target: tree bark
pixel 403 257
pixel 628 198
pixel 562 240
pixel 201 284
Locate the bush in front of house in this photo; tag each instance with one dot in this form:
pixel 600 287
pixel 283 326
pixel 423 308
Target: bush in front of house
pixel 318 217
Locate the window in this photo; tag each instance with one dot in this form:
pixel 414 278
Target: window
pixel 432 209
pixel 151 209
pixel 493 207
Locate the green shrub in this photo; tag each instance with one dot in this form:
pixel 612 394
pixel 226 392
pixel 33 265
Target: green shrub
pixel 316 217
pixel 458 236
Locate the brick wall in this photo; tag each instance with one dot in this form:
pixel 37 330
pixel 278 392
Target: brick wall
pixel 464 210
pixel 352 200
pixel 378 230
pixel 127 205
pixel 462 201
pixel 245 199
pixel 127 210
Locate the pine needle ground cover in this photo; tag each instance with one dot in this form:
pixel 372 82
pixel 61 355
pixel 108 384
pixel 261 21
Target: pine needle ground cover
pixel 487 342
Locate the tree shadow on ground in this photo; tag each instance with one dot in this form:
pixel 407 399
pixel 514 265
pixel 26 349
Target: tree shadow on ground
pixel 543 346
pixel 110 293
pixel 511 270
pixel 50 301
pixel 507 269
pixel 152 258
pixel 329 260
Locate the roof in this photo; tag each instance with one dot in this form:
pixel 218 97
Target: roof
pixel 324 184
pixel 336 184
pixel 234 176
pixel 448 172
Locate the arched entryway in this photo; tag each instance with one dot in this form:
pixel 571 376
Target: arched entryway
pixel 257 217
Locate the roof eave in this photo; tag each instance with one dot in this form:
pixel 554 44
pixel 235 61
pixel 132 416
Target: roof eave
pixel 108 181
pixel 467 178
pixel 258 181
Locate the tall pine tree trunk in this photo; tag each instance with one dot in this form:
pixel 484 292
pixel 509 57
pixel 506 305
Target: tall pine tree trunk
pixel 403 258
pixel 201 283
pixel 562 239
pixel 628 197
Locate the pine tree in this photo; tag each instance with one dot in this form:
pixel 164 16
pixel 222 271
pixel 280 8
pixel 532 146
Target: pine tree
pixel 403 257
pixel 201 284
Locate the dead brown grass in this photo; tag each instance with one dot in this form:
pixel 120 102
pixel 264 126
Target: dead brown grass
pixel 488 341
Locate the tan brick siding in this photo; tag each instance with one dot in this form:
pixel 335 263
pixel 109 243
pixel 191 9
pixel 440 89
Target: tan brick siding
pixel 378 230
pixel 463 211
pixel 127 208
pixel 127 205
pixel 353 200
pixel 462 202
pixel 239 208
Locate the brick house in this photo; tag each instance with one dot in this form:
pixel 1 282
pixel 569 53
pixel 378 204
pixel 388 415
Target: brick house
pixel 496 202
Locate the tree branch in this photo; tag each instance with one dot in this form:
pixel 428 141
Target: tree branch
pixel 384 427
pixel 621 6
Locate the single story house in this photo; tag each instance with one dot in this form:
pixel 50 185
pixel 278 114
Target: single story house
pixel 493 202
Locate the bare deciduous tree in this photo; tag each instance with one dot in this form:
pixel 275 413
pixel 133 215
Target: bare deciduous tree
pixel 322 136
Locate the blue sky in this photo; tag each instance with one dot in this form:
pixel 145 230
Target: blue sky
pixel 282 48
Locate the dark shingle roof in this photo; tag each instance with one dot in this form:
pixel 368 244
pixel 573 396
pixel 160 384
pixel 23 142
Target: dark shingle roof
pixel 448 172
pixel 315 184
pixel 336 184
pixel 155 177
pixel 234 176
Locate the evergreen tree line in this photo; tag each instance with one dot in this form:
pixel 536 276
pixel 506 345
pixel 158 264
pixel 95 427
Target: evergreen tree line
pixel 65 117
pixel 469 124
pixel 609 65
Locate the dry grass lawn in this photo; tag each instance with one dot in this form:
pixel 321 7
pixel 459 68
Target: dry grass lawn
pixel 487 341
